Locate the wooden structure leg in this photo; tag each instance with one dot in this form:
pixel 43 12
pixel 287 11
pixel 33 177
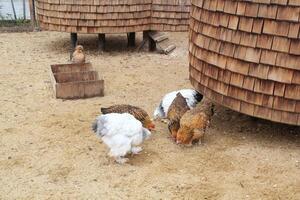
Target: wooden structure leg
pixel 150 41
pixel 73 43
pixel 73 40
pixel 146 37
pixel 131 39
pixel 32 13
pixel 101 42
pixel 152 45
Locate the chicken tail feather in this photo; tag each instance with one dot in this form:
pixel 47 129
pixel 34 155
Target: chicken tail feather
pixel 95 126
pixel 104 110
pixel 198 96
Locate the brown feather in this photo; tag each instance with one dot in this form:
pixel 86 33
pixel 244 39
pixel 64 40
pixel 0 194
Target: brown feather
pixel 194 123
pixel 175 112
pixel 137 112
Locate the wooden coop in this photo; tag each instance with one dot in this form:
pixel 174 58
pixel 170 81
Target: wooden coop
pixel 112 16
pixel 245 55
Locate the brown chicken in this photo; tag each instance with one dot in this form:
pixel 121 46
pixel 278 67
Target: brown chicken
pixel 137 112
pixel 175 112
pixel 194 123
pixel 78 56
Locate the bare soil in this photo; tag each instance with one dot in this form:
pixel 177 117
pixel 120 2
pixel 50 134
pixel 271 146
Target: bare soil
pixel 48 151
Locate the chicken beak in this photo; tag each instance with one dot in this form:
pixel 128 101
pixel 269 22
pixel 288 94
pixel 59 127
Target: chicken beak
pixel 151 127
pixel 178 142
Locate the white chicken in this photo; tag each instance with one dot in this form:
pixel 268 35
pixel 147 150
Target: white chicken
pixel 122 133
pixel 191 96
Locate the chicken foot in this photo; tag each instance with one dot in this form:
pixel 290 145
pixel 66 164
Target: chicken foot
pixel 136 150
pixel 121 160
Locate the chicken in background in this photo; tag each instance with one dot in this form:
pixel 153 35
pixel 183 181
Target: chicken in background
pixel 122 133
pixel 191 96
pixel 78 56
pixel 194 123
pixel 176 110
pixel 137 112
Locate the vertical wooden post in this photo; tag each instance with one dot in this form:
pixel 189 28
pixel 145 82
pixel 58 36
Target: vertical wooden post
pixel 131 39
pixel 146 38
pixel 149 40
pixel 101 41
pixel 152 44
pixel 32 13
pixel 73 40
pixel 145 35
pixel 73 43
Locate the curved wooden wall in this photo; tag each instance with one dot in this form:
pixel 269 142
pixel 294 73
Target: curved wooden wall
pixel 245 55
pixel 113 16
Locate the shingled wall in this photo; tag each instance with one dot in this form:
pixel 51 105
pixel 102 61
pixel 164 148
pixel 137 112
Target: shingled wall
pixel 245 55
pixel 113 16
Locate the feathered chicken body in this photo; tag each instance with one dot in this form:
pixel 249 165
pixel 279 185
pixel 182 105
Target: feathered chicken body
pixel 191 96
pixel 194 123
pixel 78 56
pixel 176 111
pixel 122 133
pixel 137 112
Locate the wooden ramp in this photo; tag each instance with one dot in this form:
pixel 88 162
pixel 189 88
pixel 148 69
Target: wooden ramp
pixel 162 41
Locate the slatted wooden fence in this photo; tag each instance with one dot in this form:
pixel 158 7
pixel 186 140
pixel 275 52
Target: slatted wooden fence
pixel 113 16
pixel 245 55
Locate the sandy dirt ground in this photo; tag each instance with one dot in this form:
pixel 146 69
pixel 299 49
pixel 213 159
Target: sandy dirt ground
pixel 48 151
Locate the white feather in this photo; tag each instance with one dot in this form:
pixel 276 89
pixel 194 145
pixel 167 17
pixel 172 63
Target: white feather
pixel 162 110
pixel 120 132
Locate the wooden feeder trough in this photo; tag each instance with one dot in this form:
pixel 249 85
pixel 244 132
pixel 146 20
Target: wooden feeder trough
pixel 75 81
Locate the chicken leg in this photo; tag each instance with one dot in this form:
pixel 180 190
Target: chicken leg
pixel 136 150
pixel 121 160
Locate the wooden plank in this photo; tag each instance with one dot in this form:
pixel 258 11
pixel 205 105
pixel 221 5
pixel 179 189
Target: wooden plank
pixel 259 70
pixel 76 76
pixel 59 68
pixel 263 112
pixel 294 30
pixel 296 77
pixel 231 103
pixel 247 108
pixel 276 115
pixel 264 86
pixel 73 81
pixel 249 83
pixel 292 92
pixel 289 117
pixel 32 13
pixel 264 41
pixel 295 47
pixel 279 89
pixel 279 74
pixel 281 44
pixel 284 104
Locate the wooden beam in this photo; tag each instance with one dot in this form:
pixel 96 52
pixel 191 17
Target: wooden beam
pixel 131 39
pixel 73 43
pixel 73 40
pixel 32 13
pixel 150 41
pixel 101 42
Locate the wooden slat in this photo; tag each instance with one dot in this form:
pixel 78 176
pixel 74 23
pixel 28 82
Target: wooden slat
pixel 246 56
